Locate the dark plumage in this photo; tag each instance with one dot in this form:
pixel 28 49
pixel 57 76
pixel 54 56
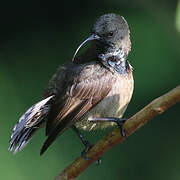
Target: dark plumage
pixel 99 83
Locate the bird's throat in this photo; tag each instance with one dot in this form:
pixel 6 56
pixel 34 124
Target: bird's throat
pixel 115 59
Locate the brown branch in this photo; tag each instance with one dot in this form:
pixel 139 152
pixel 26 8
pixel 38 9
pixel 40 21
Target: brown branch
pixel 156 107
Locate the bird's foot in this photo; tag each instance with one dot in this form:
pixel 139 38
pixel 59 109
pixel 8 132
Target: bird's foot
pixel 118 121
pixel 88 146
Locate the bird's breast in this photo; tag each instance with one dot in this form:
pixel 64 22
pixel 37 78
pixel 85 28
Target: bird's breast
pixel 113 105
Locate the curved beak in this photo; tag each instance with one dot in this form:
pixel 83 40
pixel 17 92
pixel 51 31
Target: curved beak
pixel 90 38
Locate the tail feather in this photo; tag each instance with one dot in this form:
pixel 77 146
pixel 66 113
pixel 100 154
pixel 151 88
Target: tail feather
pixel 28 124
pixel 19 142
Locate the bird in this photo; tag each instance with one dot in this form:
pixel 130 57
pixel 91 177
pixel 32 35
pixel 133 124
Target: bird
pixel 90 92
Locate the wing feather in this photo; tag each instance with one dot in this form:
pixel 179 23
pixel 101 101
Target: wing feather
pixel 78 98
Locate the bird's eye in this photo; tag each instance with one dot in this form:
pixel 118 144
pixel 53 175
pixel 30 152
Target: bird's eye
pixel 110 34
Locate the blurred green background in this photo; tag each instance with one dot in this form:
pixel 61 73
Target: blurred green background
pixel 36 37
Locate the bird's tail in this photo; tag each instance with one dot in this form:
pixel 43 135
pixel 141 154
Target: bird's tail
pixel 28 124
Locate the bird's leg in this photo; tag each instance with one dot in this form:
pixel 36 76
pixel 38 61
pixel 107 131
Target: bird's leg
pixel 86 143
pixel 119 121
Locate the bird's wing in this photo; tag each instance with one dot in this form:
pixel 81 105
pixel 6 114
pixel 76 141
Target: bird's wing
pixel 90 85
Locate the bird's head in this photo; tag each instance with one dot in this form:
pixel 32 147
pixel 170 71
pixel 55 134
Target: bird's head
pixel 110 32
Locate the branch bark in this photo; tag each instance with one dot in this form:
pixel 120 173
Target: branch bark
pixel 153 109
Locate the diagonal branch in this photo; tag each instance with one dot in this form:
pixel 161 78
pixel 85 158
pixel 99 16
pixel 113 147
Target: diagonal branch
pixel 156 107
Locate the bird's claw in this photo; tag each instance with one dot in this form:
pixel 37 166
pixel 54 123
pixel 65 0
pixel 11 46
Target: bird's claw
pixel 120 124
pixel 88 146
